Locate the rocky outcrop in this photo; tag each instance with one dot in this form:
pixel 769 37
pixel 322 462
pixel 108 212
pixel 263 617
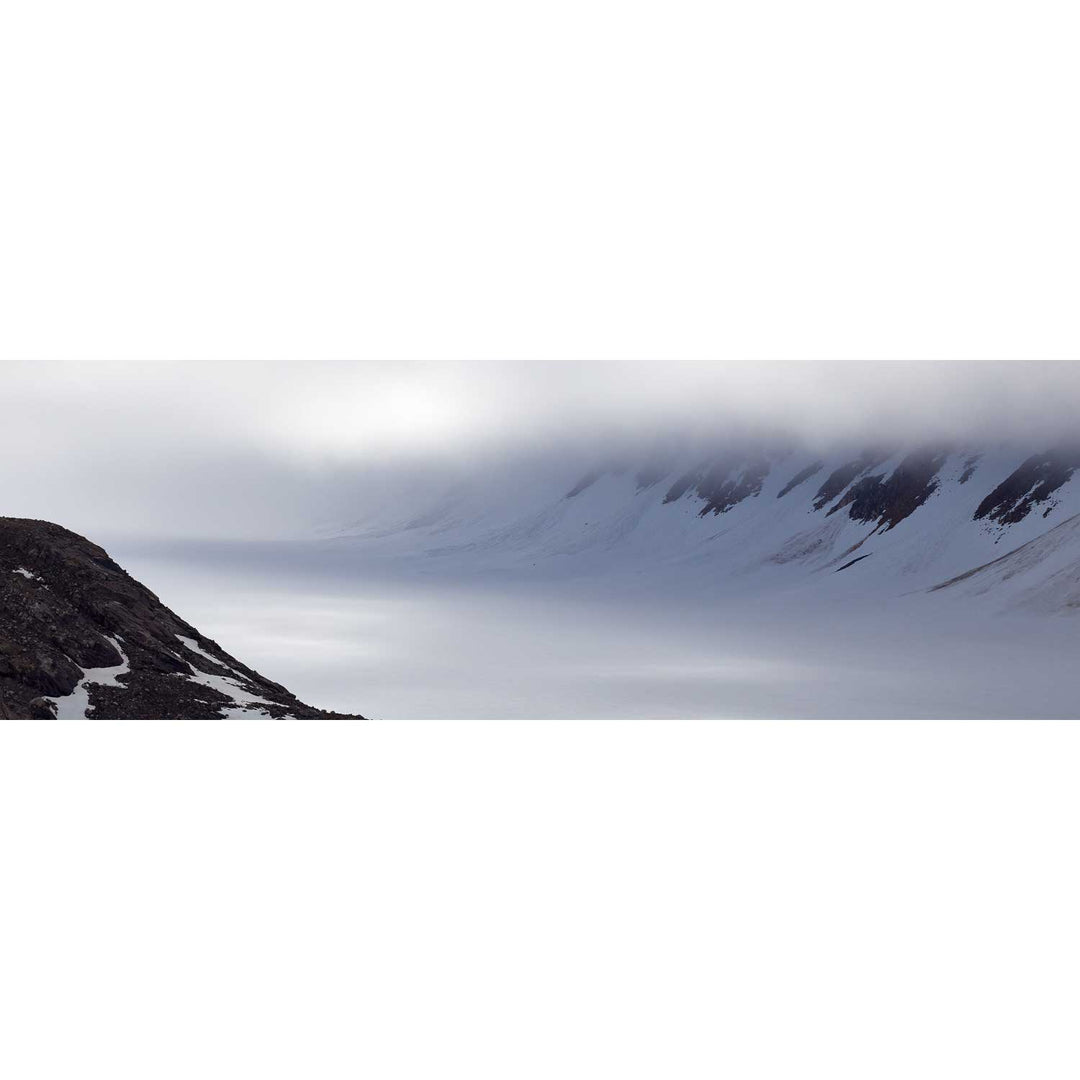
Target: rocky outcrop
pixel 801 477
pixel 841 476
pixel 79 633
pixel 888 500
pixel 723 483
pixel 1029 486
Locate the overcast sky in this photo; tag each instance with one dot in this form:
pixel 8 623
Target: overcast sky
pixel 252 448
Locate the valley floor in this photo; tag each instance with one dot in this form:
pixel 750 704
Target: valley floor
pixel 426 639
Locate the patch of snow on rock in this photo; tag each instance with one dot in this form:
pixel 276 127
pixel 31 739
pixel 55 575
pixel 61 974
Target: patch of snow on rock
pixel 74 706
pixel 229 687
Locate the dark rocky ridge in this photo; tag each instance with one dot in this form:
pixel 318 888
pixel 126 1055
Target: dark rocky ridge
pixel 723 483
pixel 801 477
pixel 888 501
pixel 63 604
pixel 840 477
pixel 1030 485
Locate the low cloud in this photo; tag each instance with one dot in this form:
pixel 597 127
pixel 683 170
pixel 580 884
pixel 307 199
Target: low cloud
pixel 262 448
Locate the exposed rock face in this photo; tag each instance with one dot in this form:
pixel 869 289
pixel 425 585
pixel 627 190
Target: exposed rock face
pixel 969 468
pixel 1031 484
pixel 801 477
pixel 682 485
pixel 726 487
pixel 840 477
pixel 887 501
pixel 67 609
pixel 722 484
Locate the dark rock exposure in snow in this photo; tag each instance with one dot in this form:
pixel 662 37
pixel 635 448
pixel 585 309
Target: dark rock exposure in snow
pixel 888 500
pixel 840 477
pixel 79 637
pixel 1032 484
pixel 801 477
pixel 723 483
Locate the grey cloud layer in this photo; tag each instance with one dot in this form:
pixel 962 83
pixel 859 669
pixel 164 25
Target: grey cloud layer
pixel 250 449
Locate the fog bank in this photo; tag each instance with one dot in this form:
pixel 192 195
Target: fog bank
pixel 267 449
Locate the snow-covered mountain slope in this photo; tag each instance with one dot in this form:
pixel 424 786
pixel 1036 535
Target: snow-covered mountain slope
pixel 1042 575
pixel 851 521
